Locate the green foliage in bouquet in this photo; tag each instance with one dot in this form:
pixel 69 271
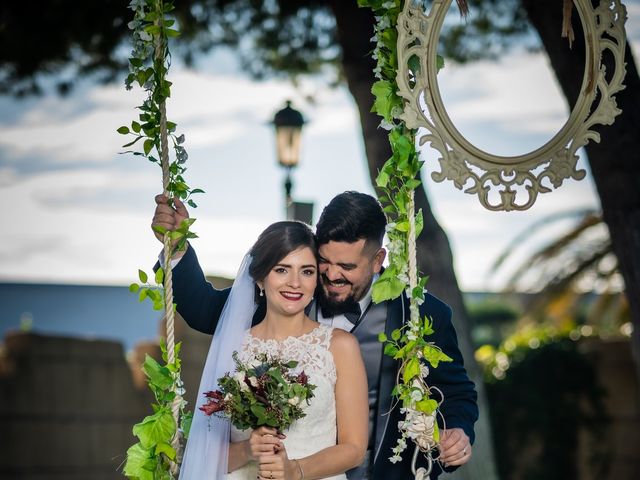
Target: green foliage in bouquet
pixel 267 392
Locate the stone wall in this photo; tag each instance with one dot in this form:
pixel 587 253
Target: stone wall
pixel 67 405
pixel 66 408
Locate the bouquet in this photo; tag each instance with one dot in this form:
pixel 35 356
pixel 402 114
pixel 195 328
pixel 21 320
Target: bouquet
pixel 268 392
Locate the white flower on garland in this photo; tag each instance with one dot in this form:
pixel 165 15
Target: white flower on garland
pixel 420 428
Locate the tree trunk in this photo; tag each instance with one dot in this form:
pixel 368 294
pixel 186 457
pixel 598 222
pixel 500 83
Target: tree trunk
pixel 614 161
pixel 354 29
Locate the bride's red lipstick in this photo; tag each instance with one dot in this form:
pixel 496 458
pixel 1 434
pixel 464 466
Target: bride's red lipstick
pixel 293 296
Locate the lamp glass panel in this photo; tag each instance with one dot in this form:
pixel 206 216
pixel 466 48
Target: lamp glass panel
pixel 288 145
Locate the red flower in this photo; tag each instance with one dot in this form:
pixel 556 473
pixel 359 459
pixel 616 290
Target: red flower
pixel 214 404
pixel 215 394
pixel 302 378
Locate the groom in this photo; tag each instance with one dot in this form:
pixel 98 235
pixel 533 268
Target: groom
pixel 350 233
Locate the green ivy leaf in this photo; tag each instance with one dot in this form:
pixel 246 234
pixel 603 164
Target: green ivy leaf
pixel 147 146
pixel 158 375
pixel 412 184
pixel 159 278
pixel 131 143
pixel 387 287
pixel 419 223
pixel 159 229
pixel 185 224
pixel 166 449
pixel 402 148
pixel 142 276
pixel 155 429
pixel 383 92
pixel 390 350
pixel 134 287
pixel 142 294
pixel 427 406
pixel 185 426
pixel 382 180
pixel 411 369
pixel 434 355
pixel 123 130
pixel 140 463
pixel 402 226
pixel 382 337
pixel 427 324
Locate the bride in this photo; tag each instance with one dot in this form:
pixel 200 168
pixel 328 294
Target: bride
pixel 280 272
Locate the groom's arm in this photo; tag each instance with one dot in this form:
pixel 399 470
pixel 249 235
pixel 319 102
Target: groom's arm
pixel 459 407
pixel 196 300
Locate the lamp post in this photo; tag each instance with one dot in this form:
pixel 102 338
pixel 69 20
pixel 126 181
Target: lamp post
pixel 288 123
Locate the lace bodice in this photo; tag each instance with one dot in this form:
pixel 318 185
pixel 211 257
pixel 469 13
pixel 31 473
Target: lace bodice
pixel 317 430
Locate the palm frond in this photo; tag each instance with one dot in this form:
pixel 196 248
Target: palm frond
pixel 525 234
pixel 572 246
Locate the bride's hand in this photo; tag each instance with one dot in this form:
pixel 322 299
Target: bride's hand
pixel 277 465
pixel 264 441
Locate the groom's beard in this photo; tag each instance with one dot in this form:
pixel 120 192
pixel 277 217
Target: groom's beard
pixel 332 305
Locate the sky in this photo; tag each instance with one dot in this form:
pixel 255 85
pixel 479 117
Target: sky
pixel 78 212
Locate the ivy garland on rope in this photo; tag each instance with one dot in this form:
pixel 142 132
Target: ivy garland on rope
pixel 396 183
pixel 156 455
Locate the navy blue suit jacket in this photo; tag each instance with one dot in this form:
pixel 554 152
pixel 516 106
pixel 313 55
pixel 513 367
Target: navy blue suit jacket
pixel 201 306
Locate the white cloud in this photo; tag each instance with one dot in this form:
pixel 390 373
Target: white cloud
pixel 89 222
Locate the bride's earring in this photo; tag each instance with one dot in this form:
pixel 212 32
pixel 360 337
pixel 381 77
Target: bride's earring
pixel 261 292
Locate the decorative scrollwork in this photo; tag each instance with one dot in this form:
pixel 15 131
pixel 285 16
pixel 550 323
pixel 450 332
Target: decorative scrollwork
pixel 518 176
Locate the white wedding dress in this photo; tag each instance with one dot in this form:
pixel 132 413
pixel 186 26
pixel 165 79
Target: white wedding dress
pixel 317 430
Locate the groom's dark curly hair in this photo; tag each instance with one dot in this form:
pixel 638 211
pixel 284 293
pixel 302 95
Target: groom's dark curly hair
pixel 352 216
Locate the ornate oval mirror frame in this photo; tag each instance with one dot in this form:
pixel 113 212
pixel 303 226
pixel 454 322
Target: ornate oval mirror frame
pixel 512 178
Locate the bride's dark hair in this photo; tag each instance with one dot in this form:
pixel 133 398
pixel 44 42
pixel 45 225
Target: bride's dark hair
pixel 276 242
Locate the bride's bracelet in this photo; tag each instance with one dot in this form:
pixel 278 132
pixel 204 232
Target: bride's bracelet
pixel 299 468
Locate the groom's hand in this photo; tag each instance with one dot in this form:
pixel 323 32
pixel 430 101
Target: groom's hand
pixel 455 447
pixel 167 217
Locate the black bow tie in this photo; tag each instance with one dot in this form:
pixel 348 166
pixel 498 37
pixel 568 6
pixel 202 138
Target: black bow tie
pixel 352 312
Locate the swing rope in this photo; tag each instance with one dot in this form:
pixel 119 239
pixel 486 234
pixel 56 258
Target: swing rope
pixel 169 313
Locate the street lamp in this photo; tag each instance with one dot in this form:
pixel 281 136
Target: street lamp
pixel 288 123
